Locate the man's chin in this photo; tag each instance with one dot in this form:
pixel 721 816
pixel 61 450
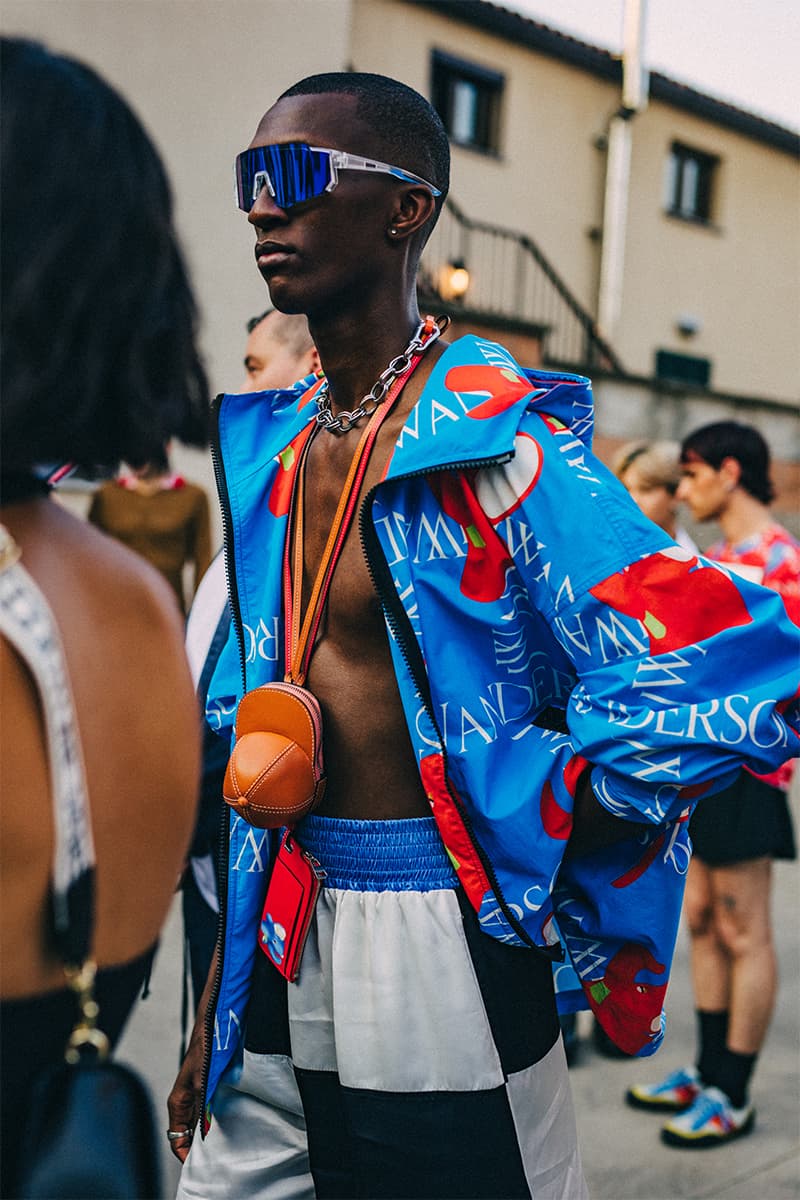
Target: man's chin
pixel 283 300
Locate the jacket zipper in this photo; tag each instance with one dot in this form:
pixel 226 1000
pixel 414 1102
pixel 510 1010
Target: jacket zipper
pixel 224 855
pixel 227 534
pixel 398 622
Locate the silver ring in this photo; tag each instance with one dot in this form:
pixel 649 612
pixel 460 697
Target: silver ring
pixel 175 1135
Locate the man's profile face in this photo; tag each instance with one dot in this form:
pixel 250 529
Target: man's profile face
pixel 704 489
pixel 269 362
pixel 316 255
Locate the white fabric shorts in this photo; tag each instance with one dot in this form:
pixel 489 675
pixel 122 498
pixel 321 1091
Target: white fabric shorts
pixel 414 1057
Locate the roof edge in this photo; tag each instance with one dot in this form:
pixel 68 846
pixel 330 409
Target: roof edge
pixel 505 23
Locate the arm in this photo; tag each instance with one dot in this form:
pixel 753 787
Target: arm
pixel 183 1102
pixel 593 826
pixel 683 674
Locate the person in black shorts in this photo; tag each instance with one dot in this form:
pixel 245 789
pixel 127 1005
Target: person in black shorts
pixel 737 832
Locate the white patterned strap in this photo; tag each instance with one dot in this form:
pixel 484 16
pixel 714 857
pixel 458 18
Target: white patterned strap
pixel 27 622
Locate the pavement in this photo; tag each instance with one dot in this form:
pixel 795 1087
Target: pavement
pixel 622 1154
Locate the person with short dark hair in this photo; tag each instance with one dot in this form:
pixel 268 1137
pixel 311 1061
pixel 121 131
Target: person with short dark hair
pixel 279 351
pixel 112 373
pixel 506 662
pixel 736 833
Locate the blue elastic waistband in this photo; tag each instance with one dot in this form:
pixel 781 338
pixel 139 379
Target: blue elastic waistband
pixel 379 856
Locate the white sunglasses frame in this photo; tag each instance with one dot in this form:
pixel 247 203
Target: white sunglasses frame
pixel 340 160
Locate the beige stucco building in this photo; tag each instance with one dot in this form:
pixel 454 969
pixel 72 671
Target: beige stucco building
pixel 710 290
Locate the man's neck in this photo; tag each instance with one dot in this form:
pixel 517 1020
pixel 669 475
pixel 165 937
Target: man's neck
pixel 355 349
pixel 744 517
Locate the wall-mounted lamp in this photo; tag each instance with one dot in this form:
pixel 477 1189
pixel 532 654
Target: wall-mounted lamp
pixel 454 280
pixel 688 326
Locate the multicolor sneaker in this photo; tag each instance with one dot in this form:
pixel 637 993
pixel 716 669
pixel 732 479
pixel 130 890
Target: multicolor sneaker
pixel 673 1094
pixel 710 1121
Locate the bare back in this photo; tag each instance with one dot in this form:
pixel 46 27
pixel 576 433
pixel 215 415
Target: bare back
pixel 140 732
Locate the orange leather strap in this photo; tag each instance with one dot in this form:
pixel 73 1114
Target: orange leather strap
pixel 299 642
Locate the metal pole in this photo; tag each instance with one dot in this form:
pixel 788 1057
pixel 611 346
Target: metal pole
pixel 618 168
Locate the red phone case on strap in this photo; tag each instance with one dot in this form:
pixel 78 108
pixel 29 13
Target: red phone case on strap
pixel 289 906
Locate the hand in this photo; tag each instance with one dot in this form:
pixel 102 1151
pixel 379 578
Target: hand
pixel 593 826
pixel 184 1101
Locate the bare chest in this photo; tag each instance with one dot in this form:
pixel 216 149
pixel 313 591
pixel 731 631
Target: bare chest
pixel 353 607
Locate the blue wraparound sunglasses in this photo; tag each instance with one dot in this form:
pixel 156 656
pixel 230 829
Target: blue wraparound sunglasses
pixel 293 172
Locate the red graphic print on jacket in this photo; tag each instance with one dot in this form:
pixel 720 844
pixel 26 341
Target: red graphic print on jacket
pixel 457 842
pixel 634 1018
pixel 556 820
pixel 646 590
pixel 503 385
pixel 484 575
pixel 480 500
pixel 280 496
pixel 503 490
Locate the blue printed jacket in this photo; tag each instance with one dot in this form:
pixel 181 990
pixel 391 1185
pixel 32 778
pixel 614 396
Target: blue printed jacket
pixel 540 626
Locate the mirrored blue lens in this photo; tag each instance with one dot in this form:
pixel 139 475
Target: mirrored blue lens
pixel 296 172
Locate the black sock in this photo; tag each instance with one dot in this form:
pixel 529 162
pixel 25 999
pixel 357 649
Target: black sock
pixel 733 1073
pixel 712 1034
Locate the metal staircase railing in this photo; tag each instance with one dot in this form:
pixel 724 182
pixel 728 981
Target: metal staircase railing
pixel 512 282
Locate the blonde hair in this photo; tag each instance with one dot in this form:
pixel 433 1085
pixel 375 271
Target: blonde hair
pixel 658 462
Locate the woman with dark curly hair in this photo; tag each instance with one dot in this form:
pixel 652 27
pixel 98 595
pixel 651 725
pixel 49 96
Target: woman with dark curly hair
pixel 99 364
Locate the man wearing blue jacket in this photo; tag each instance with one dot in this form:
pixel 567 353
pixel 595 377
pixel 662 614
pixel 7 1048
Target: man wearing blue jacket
pixel 525 689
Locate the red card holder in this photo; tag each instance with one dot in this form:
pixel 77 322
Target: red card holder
pixel 289 906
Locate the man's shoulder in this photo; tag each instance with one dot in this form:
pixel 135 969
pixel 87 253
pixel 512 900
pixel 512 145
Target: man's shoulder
pixel 473 405
pixel 253 427
pixel 778 535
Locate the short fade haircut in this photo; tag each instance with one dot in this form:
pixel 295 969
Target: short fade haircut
pixel 290 329
pixel 98 317
pixel 407 127
pixel 730 439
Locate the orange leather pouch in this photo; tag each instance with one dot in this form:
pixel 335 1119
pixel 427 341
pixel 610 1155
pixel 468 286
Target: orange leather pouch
pixel 275 774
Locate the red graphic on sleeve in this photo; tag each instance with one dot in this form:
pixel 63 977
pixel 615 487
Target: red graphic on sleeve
pixel 639 868
pixel 573 771
pixel 502 490
pixel 678 601
pixel 628 1010
pixel 556 820
pixel 280 496
pixel 457 841
pixel 484 575
pixel 502 385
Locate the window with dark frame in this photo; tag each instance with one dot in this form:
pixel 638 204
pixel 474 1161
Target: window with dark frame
pixel 690 183
pixel 683 368
pixel 467 97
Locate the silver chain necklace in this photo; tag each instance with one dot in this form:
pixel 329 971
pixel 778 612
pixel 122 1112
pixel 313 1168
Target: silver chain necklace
pixel 343 422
